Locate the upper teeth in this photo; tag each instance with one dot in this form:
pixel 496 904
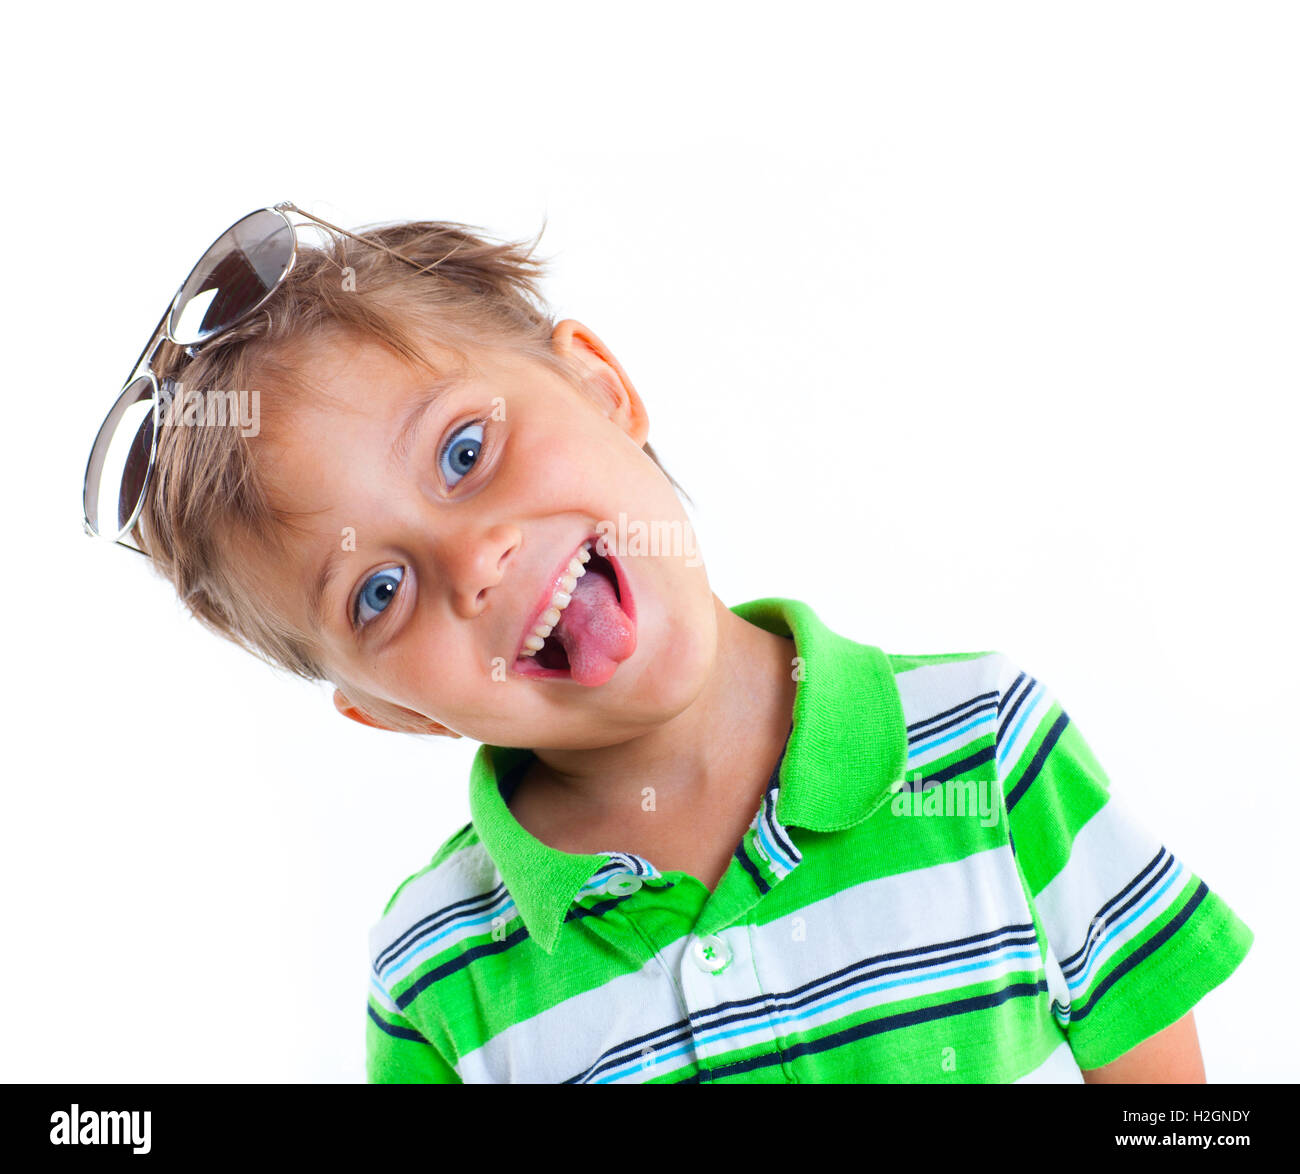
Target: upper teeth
pixel 559 601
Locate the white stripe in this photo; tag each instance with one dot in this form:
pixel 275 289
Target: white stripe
pixel 1035 705
pixel 932 689
pixel 564 1040
pixel 1019 728
pixel 1108 852
pixel 380 995
pixel 463 875
pixel 980 725
pixel 1058 990
pixel 1059 1068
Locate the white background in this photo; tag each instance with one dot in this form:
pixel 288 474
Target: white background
pixel 974 326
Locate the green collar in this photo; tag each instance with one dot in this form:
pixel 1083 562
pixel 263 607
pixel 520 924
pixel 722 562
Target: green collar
pixel 848 744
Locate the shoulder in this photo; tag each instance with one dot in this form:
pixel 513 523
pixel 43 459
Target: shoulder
pixel 933 684
pixel 981 701
pixel 932 678
pixel 460 880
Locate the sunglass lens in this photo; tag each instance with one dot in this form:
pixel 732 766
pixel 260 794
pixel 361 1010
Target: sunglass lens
pixel 119 461
pixel 234 277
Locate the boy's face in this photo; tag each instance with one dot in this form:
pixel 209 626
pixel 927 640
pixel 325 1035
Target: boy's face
pixel 443 522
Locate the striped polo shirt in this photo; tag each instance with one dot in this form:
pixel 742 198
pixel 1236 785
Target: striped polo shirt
pixel 936 887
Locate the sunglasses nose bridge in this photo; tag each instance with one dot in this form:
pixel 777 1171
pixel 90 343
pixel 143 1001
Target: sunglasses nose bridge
pixel 162 336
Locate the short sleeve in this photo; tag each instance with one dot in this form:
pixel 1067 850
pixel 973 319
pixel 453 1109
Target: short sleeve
pixel 1135 938
pixel 396 1053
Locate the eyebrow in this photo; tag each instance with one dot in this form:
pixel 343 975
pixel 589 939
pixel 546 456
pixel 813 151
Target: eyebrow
pixel 411 421
pixel 316 599
pixel 401 446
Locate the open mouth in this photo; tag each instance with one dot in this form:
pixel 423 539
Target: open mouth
pixel 587 626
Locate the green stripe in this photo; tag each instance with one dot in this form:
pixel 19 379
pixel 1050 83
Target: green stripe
pixel 1068 791
pixel 903 664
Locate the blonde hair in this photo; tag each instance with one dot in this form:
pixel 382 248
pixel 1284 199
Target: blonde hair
pixel 206 492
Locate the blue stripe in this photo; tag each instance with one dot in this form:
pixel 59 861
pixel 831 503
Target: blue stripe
pixel 1144 952
pixel 977 723
pixel 428 944
pixel 1081 983
pixel 777 829
pixel 439 916
pixel 784 863
pixel 1151 873
pixel 983 701
pixel 1004 750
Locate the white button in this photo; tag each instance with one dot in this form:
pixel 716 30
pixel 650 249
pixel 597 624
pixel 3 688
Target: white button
pixel 711 954
pixel 622 884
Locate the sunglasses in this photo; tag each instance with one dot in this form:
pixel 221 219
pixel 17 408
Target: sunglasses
pixel 234 278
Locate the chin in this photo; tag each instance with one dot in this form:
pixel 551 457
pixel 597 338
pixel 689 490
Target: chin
pixel 677 664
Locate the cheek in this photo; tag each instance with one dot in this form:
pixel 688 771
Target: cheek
pixel 554 461
pixel 445 672
pixel 434 651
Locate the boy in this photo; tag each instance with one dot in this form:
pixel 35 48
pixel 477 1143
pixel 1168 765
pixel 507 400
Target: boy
pixel 708 844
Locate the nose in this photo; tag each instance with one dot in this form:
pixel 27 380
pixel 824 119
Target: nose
pixel 476 562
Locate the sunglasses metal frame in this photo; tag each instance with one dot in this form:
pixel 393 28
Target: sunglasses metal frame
pixel 143 367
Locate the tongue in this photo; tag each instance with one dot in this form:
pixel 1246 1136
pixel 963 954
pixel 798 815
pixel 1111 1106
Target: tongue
pixel 595 632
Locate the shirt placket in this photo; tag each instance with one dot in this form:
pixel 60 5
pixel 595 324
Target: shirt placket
pixel 714 968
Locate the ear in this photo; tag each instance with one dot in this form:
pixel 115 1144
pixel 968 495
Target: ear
pixel 622 404
pixel 419 724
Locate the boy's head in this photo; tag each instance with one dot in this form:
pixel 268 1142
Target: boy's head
pixel 432 449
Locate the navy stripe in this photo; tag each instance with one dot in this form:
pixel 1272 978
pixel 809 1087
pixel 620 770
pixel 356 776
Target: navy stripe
pixel 1036 765
pixel 408 996
pixel 1094 942
pixel 608 866
pixel 599 909
pixel 1108 912
pixel 395 1032
pixel 777 830
pixel 982 702
pixel 436 920
pixel 1144 952
pixel 954 770
pixel 630 1049
pixel 888 1023
pixel 623 862
pixel 775 778
pixel 760 881
pixel 1010 692
pixel 1004 723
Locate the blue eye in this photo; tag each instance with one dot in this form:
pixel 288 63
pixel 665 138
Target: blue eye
pixel 377 593
pixel 460 452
